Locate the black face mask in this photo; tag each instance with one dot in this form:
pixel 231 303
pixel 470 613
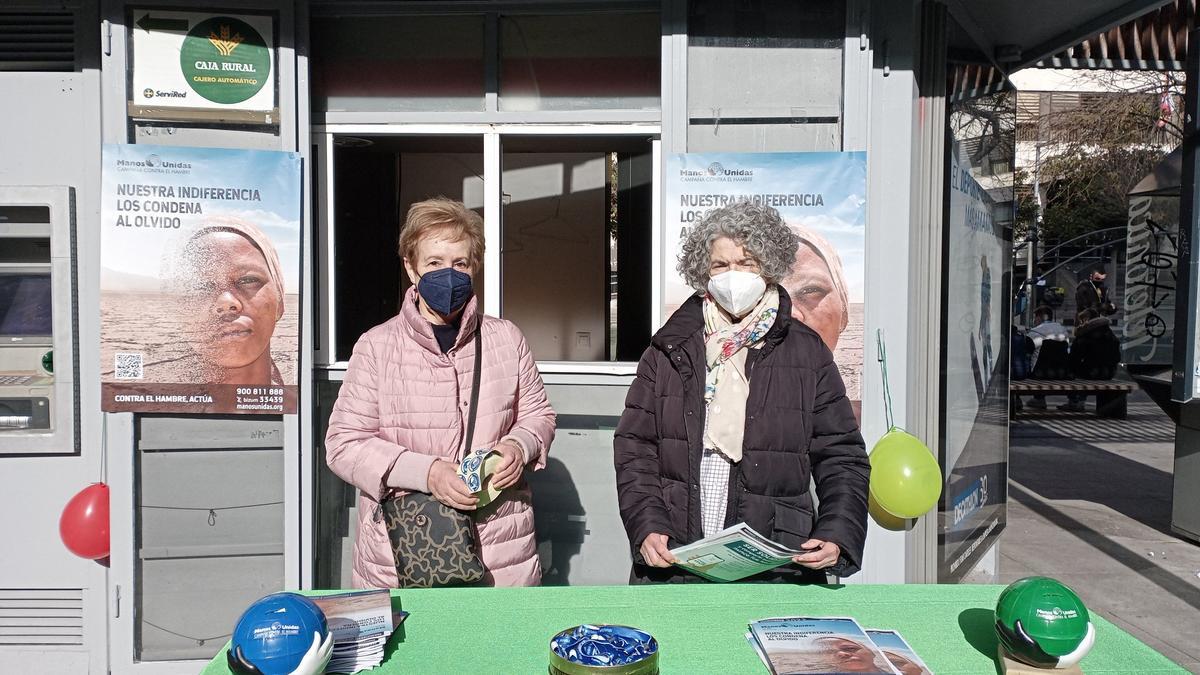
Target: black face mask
pixel 445 291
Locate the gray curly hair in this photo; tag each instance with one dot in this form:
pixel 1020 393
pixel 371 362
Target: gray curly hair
pixel 758 229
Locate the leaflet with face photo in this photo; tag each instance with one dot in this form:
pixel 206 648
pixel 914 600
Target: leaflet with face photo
pixel 357 616
pixel 361 623
pixel 804 645
pixel 762 656
pixel 902 656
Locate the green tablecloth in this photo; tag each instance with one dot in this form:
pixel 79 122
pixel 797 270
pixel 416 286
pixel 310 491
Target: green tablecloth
pixel 700 627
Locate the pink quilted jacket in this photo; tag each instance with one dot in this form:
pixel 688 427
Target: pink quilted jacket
pixel 403 404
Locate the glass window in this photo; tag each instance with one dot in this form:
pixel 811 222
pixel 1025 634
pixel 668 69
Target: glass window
pixel 576 245
pixel 765 76
pixel 977 282
pixel 398 63
pixel 579 62
pixel 376 179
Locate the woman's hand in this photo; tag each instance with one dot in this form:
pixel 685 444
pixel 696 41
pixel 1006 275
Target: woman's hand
pixel 448 488
pixel 821 554
pixel 655 551
pixel 512 466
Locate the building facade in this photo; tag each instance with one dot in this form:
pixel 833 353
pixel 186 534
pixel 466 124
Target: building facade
pixel 555 120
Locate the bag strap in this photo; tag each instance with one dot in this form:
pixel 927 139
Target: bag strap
pixel 475 375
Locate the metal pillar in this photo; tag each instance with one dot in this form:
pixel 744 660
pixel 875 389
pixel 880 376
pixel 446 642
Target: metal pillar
pixel 1185 502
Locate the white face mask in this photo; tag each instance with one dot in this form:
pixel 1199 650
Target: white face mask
pixel 737 292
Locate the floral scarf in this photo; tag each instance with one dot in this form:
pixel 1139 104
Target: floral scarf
pixel 726 387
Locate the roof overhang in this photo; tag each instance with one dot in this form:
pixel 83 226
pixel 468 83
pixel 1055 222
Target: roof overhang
pixel 1015 34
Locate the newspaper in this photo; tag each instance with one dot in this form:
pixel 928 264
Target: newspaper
pixel 802 645
pixel 734 553
pixel 902 656
pixel 361 623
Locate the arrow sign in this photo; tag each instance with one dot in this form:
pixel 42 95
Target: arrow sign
pixel 148 23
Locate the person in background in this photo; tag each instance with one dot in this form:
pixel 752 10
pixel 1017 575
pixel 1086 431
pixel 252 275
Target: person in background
pixel 736 408
pixel 1054 337
pixel 1092 293
pixel 1021 347
pixel 398 423
pixel 1021 300
pixel 1096 351
pixel 1022 353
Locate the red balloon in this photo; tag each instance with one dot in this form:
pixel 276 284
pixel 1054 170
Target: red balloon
pixel 84 523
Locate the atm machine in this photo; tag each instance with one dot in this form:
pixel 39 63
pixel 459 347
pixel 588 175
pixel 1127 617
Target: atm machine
pixel 39 396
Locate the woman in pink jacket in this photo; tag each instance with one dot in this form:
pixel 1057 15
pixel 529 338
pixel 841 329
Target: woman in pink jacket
pixel 399 420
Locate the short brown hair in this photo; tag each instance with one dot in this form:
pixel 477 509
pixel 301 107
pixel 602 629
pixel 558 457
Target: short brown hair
pixel 441 213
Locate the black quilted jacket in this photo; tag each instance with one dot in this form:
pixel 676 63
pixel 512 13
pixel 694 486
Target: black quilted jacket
pixel 799 424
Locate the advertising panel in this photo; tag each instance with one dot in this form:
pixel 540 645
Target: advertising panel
pixel 199 285
pixel 189 64
pixel 976 305
pixel 822 196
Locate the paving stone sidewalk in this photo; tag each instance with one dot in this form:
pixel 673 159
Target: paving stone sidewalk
pixel 1090 504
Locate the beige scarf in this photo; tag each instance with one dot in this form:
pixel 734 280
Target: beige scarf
pixel 726 386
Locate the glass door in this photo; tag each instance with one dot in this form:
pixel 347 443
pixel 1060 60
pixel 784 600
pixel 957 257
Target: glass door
pixel 576 244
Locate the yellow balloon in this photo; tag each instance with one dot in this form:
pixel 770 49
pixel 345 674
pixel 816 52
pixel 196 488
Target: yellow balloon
pixel 905 479
pixel 885 520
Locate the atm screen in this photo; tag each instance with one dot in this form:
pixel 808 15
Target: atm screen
pixel 25 309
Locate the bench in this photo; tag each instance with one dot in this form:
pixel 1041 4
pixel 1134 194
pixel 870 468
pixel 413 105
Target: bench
pixel 1110 394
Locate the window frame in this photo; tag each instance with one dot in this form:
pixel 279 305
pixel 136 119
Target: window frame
pixel 324 254
pixel 492 112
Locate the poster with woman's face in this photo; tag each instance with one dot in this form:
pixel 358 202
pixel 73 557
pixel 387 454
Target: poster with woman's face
pixel 822 197
pixel 199 281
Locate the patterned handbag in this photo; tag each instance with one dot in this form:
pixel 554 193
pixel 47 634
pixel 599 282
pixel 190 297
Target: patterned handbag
pixel 434 544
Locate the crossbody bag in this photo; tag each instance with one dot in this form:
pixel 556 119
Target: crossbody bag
pixel 433 544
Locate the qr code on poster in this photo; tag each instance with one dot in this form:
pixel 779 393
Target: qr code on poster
pixel 128 366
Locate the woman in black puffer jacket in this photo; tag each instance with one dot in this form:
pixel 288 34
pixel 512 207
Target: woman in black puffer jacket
pixel 736 406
